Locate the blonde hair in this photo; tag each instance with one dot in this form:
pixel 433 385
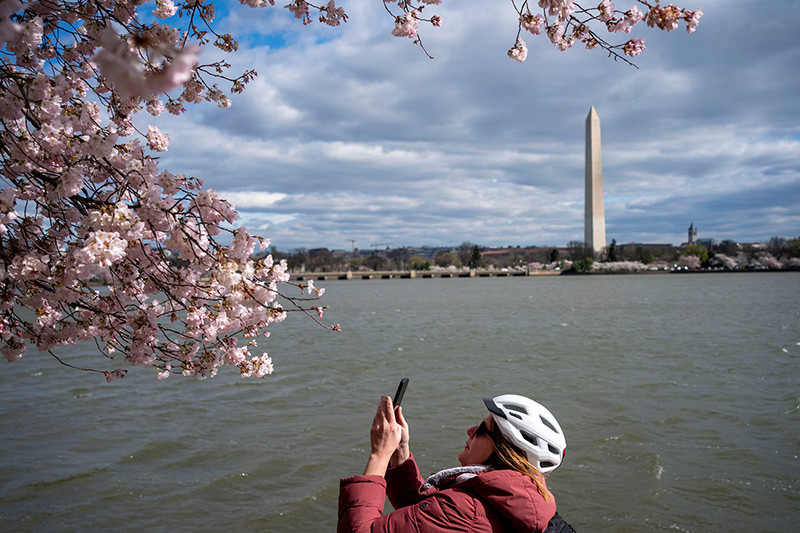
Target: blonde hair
pixel 506 456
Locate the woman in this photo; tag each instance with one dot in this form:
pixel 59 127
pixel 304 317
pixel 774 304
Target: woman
pixel 499 487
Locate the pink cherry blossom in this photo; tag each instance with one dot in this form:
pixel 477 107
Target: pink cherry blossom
pixel 532 23
pixel 606 9
pixel 634 47
pixel 256 366
pixel 693 20
pixel 164 9
pixel 104 248
pixel 300 10
pixel 556 34
pixel 665 18
pixel 563 9
pixel 633 16
pixel 519 51
pixel 332 15
pixel 155 107
pixel 407 25
pixel 156 140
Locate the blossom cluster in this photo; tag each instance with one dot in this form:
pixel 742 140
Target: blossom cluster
pixel 564 22
pixel 519 51
pixel 328 14
pixel 81 192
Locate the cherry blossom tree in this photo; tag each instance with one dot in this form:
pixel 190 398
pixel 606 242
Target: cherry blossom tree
pixel 690 262
pixel 766 260
pixel 620 266
pixel 724 261
pixel 83 195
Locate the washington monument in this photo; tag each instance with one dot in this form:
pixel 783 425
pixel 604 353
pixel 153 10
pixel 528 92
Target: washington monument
pixel 595 218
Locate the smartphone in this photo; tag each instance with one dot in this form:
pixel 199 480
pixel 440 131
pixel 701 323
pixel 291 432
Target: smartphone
pixel 401 390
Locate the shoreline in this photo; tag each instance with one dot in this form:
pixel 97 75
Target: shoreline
pixel 481 273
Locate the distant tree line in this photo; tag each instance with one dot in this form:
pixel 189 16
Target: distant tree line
pixel 776 253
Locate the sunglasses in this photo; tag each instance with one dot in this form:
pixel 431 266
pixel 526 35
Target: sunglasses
pixel 482 429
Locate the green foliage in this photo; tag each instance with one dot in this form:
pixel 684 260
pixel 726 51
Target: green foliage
pixel 697 250
pixel 554 255
pixel 583 265
pixel 420 263
pixel 445 259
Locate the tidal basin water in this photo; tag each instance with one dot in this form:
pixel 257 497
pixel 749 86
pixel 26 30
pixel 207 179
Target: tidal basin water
pixel 679 396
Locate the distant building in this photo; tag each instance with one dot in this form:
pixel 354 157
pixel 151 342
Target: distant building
pixel 500 252
pixel 692 238
pixel 692 234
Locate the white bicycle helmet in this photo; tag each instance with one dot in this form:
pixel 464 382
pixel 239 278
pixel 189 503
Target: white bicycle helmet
pixel 531 427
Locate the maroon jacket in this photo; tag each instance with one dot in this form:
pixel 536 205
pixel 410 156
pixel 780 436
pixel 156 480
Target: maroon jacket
pixel 498 500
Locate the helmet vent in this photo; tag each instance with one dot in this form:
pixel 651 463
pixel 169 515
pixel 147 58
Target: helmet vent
pixel 530 438
pixel 552 449
pixel 516 415
pixel 548 423
pixel 518 408
pixel 546 464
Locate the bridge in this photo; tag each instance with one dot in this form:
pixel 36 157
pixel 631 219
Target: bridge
pixel 411 274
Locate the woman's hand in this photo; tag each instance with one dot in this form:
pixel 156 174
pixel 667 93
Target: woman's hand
pixel 385 437
pixel 403 451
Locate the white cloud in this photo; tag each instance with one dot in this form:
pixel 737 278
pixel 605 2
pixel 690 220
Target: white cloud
pixel 251 199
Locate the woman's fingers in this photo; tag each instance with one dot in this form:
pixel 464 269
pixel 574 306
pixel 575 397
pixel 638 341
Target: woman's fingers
pixel 381 414
pixel 401 421
pixel 398 415
pixel 387 409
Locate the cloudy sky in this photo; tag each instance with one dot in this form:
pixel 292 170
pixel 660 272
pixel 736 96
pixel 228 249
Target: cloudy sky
pixel 351 133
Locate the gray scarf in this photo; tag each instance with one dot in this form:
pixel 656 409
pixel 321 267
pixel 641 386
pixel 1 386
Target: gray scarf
pixel 463 473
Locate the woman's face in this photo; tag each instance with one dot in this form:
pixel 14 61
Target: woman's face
pixel 478 447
